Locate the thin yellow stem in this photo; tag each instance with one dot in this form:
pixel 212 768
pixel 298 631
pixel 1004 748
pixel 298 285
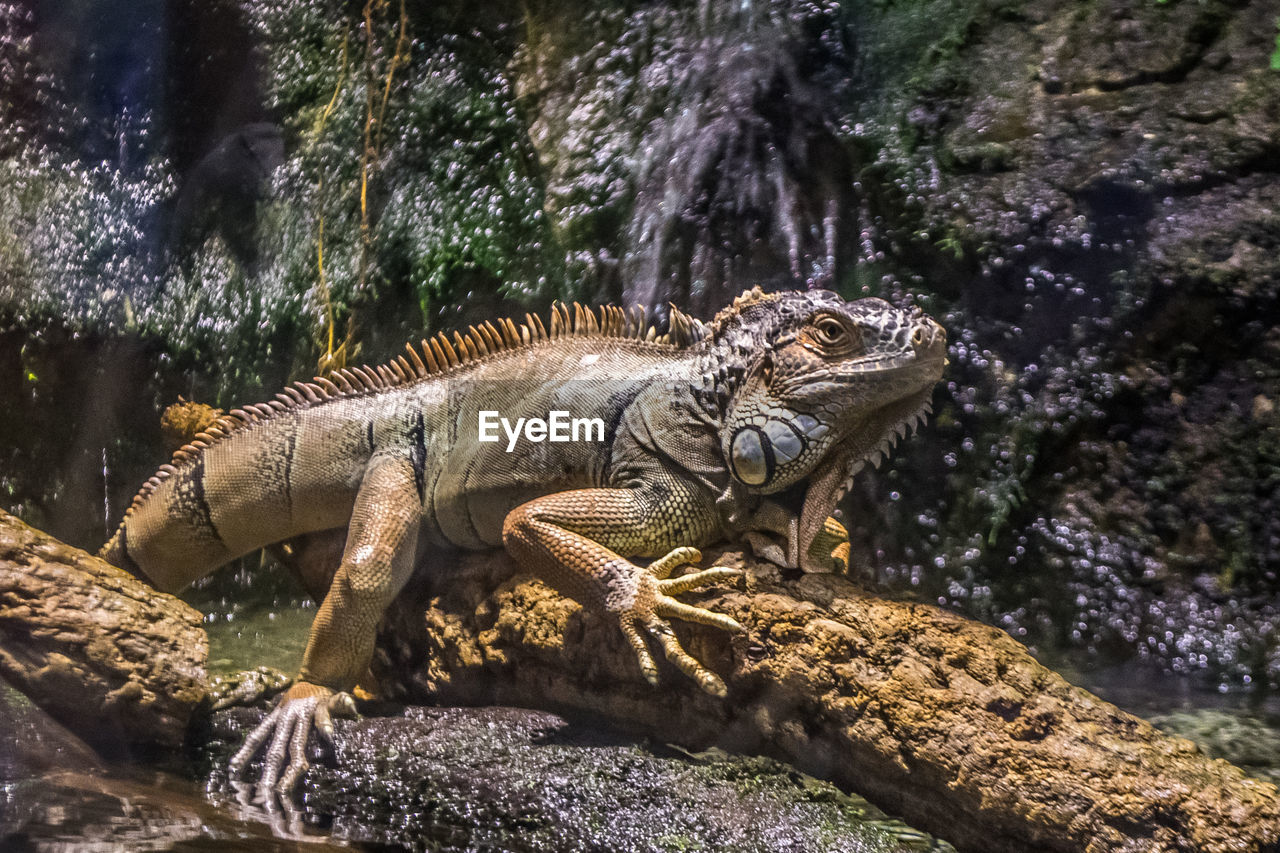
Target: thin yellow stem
pixel 367 150
pixel 398 57
pixel 322 283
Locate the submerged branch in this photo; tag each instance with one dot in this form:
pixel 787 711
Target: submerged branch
pixel 110 658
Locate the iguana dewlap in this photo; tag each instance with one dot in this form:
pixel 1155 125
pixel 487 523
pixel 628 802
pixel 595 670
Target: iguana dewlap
pixel 696 429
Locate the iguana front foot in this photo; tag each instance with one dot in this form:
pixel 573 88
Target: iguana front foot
pixel 303 707
pixel 652 605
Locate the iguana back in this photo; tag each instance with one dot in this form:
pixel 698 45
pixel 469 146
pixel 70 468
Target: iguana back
pixel 267 473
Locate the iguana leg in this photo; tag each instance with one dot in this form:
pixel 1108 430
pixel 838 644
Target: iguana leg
pixel 376 562
pixel 575 540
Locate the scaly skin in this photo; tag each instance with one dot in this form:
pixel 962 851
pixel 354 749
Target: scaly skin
pixel 712 429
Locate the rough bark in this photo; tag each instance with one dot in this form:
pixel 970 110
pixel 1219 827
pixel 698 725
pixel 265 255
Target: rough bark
pixel 948 723
pixel 112 659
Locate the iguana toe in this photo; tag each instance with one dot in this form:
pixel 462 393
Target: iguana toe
pixel 636 639
pixel 662 567
pixel 684 661
pixel 654 605
pixel 684 583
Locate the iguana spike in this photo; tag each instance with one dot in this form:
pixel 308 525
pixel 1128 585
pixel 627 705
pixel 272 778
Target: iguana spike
pixel 524 335
pixel 402 368
pixel 499 344
pixel 556 322
pixel 476 340
pixel 443 349
pixel 357 377
pixel 685 329
pixel 387 375
pixel 433 366
pixel 449 352
pixel 418 366
pixel 342 379
pixel 466 349
pixel 512 332
pixel 494 339
pixel 308 391
pixel 276 406
pixel 327 385
pixel 588 324
pixel 536 326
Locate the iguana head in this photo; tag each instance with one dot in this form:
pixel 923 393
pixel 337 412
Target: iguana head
pixel 823 386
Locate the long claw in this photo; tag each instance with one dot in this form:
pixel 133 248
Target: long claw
pixel 671 608
pixel 662 567
pixel 255 739
pixel 297 759
pixel 323 723
pixel 342 704
pixel 647 666
pixel 277 751
pixel 684 661
pixel 684 583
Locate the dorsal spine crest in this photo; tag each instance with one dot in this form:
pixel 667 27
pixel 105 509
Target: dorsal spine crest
pixel 436 356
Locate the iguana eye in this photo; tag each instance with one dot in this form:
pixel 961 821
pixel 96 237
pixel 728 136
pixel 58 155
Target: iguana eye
pixel 830 332
pixel 833 337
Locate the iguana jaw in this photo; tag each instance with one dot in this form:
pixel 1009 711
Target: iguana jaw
pixel 869 442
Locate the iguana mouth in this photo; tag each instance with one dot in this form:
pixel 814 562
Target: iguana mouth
pixel 834 477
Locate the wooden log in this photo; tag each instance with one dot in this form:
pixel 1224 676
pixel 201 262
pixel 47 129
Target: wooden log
pixel 101 652
pixel 946 722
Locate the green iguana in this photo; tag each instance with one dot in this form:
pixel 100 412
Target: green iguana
pixel 685 438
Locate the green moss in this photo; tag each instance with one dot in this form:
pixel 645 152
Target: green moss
pixel 455 204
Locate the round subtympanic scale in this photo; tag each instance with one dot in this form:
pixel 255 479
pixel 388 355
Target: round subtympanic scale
pixel 752 456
